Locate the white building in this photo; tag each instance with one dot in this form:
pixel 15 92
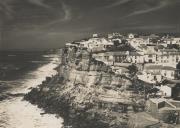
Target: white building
pixel 150 54
pixel 72 44
pixel 131 36
pixel 135 57
pixel 166 90
pixel 164 71
pixel 150 77
pixel 117 40
pixel 120 57
pixel 112 57
pixel 114 36
pixel 168 57
pixel 169 41
pixel 95 35
pixel 96 44
pixel 176 40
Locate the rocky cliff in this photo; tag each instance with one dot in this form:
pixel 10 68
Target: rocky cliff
pixel 86 92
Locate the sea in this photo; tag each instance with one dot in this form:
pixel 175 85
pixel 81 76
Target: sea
pixel 19 73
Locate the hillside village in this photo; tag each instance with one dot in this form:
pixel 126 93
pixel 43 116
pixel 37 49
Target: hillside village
pixel 139 74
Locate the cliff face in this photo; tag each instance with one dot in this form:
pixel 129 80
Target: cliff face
pixel 84 88
pixel 87 69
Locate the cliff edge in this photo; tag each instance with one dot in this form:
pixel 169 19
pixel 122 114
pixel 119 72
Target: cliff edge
pixel 87 93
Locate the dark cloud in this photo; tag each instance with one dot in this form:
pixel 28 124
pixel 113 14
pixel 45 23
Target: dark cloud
pixel 50 23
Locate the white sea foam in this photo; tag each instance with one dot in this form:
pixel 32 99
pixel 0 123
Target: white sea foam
pixel 15 113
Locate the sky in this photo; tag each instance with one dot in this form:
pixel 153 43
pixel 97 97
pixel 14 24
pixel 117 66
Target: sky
pixel 44 24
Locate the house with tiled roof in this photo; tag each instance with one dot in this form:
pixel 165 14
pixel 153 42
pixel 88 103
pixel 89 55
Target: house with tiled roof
pixel 168 57
pixel 156 73
pixel 150 54
pixel 166 71
pixel 166 90
pixel 167 110
pixel 96 44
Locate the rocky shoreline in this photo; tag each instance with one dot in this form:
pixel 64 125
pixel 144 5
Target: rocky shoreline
pixel 86 93
pixel 73 93
pixel 51 101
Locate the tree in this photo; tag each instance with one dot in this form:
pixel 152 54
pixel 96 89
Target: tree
pixel 133 69
pixel 178 71
pixel 178 65
pixel 171 46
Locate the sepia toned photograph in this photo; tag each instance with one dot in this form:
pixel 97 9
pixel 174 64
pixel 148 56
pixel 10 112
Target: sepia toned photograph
pixel 89 63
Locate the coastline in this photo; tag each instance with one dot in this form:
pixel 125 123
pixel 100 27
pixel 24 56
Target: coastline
pixel 87 93
pixel 60 95
pixel 13 108
pixel 52 103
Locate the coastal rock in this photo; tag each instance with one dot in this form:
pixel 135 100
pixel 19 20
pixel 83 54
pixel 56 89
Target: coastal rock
pixel 75 93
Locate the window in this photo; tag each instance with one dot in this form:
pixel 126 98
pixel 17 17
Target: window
pixel 150 56
pixel 165 74
pixel 172 74
pixel 177 59
pixel 155 78
pixel 150 61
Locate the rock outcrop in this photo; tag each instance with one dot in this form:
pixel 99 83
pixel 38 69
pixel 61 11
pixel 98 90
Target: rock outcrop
pixel 85 92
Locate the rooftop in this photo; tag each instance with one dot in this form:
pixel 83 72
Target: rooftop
pixel 170 85
pixel 168 50
pixel 158 67
pixel 135 54
pixel 157 100
pixel 114 99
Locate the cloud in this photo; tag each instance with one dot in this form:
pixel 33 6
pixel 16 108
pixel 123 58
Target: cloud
pixel 160 5
pixel 6 10
pixel 117 3
pixel 67 15
pixel 67 12
pixel 39 3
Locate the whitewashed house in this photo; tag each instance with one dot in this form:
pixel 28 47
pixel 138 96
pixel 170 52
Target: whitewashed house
pixel 168 57
pixel 96 44
pixel 149 77
pixel 117 40
pixel 120 57
pixel 169 41
pixel 135 57
pixel 76 44
pixel 166 90
pixel 150 54
pixel 131 36
pixel 106 57
pixel 176 40
pixel 114 35
pixel 95 35
pixel 164 71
